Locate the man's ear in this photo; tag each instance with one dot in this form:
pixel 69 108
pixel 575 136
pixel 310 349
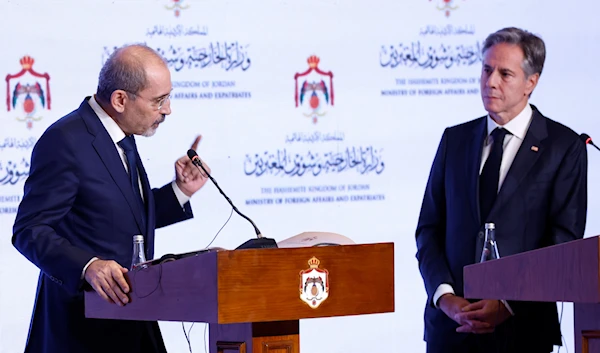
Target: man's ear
pixel 531 83
pixel 118 99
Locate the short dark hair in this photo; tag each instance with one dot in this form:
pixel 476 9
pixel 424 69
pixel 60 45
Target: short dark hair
pixel 533 47
pixel 125 72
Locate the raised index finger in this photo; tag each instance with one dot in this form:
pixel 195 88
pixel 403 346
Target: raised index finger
pixel 196 142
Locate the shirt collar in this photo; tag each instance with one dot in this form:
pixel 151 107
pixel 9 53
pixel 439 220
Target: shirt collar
pixel 115 132
pixel 517 126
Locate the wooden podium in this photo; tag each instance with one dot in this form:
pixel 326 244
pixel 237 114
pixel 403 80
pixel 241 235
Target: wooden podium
pixel 567 272
pixel 253 299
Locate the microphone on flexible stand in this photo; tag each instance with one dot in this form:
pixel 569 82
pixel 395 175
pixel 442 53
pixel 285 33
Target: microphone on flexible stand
pixel 588 140
pixel 259 241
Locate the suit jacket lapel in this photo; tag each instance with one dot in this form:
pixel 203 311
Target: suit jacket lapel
pixel 524 160
pixel 109 155
pixel 473 158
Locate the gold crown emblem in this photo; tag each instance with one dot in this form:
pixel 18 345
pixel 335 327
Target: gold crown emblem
pixel 314 262
pixel 313 61
pixel 26 62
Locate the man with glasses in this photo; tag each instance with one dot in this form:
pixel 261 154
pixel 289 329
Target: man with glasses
pixel 513 167
pixel 87 195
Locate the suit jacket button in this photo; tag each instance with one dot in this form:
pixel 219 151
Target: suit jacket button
pixel 481 235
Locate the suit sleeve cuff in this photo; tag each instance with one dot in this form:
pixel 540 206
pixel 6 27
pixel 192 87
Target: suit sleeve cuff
pixel 442 289
pixel 87 265
pixel 508 307
pixel 181 197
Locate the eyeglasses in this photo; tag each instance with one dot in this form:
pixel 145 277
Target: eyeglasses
pixel 163 101
pixel 156 104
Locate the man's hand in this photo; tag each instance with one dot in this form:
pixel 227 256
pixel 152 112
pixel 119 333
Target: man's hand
pixel 454 306
pixel 489 312
pixel 190 178
pixel 106 277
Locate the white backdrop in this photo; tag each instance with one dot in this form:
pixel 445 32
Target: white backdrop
pixel 401 71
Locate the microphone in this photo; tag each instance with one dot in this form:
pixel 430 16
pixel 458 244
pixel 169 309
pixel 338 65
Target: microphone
pixel 588 140
pixel 259 241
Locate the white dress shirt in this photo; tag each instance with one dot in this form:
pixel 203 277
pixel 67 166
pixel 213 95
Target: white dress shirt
pixel 116 135
pixel 512 142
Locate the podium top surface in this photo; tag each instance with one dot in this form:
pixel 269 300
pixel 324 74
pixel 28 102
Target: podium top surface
pixel 567 272
pixel 255 285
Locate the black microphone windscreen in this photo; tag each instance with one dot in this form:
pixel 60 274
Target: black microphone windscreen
pixel 191 153
pixel 588 140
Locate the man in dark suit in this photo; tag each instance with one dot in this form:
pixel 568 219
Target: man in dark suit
pixel 87 195
pixel 515 168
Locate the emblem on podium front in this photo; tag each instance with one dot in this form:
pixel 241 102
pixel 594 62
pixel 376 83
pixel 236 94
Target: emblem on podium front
pixel 314 284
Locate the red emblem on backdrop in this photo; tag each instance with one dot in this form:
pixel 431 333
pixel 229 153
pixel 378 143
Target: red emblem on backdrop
pixel 446 5
pixel 314 94
pixel 28 92
pixel 176 6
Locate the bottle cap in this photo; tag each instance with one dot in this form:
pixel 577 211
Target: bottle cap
pixel 490 226
pixel 138 238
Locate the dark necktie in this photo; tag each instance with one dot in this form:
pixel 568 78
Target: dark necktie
pixel 490 175
pixel 128 145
